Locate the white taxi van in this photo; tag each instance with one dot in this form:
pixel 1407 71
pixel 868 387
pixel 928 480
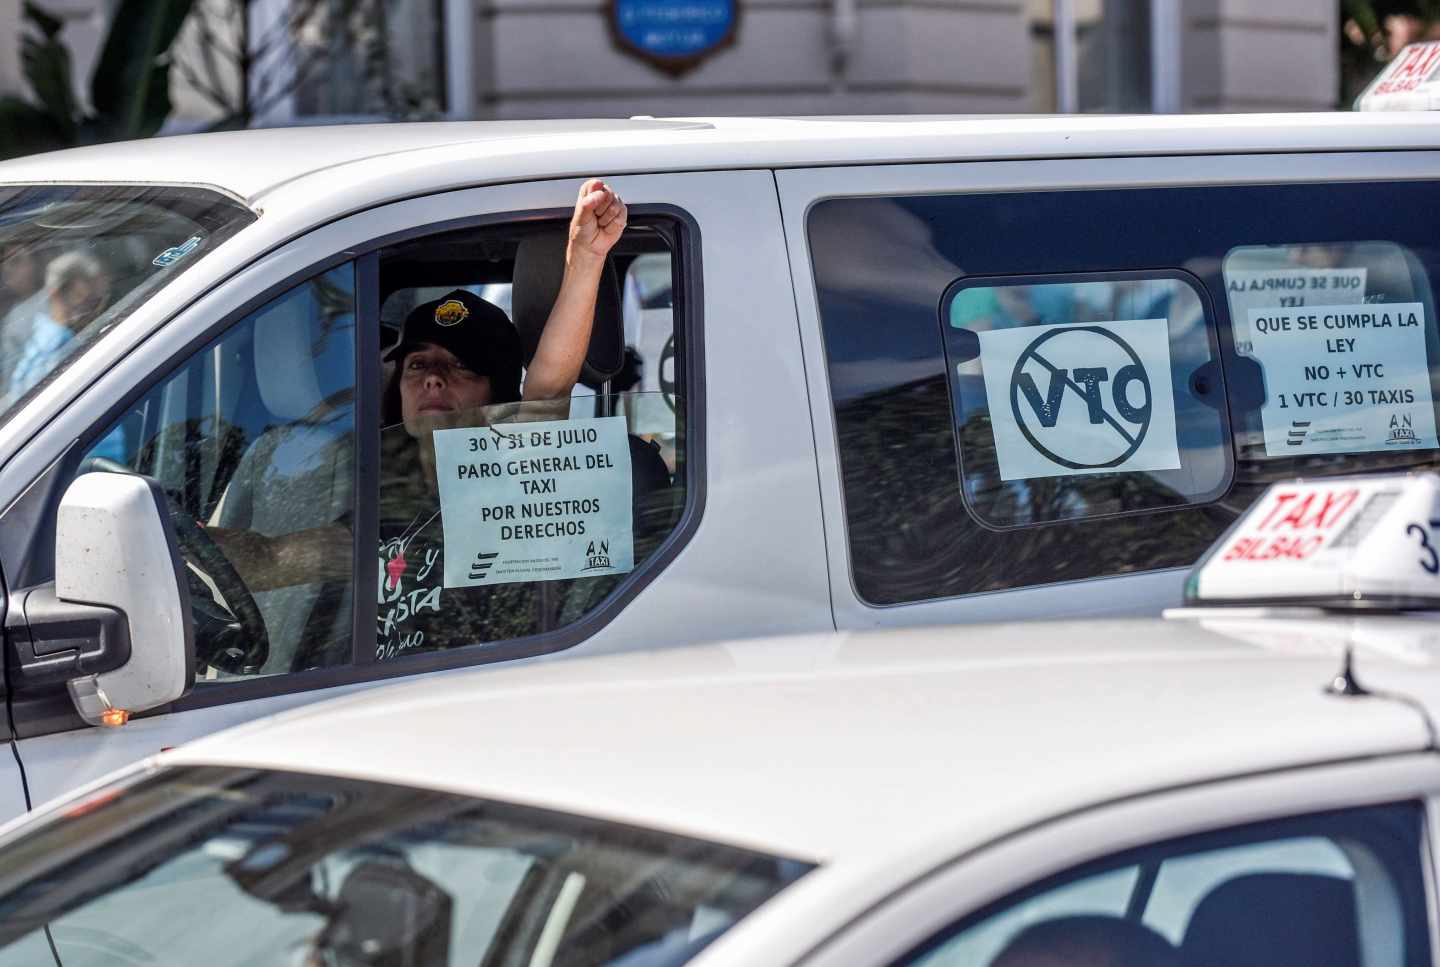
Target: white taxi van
pixel 1237 784
pixel 845 374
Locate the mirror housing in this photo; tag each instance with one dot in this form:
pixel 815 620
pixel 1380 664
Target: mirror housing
pixel 115 551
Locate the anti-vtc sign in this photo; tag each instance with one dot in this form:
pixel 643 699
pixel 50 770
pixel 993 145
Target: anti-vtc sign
pixel 1080 399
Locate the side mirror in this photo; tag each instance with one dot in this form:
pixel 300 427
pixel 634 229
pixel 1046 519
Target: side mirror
pixel 116 626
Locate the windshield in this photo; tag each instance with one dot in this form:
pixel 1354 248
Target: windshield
pixel 75 260
pixel 220 866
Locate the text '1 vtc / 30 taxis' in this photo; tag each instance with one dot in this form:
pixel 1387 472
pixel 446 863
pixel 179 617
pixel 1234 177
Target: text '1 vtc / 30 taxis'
pixel 1252 780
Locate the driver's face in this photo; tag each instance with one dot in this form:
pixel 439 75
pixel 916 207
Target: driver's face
pixel 433 382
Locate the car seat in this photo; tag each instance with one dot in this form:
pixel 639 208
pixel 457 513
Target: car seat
pixel 1087 939
pixel 538 271
pixel 302 470
pixel 1274 920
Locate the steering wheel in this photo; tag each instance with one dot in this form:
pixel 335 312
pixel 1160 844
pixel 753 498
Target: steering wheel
pixel 230 632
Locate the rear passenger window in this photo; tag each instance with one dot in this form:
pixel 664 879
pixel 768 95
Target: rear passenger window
pixel 1339 890
pixel 1032 388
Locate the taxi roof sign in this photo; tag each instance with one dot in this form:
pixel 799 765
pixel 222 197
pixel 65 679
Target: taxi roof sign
pixel 1352 542
pixel 1411 82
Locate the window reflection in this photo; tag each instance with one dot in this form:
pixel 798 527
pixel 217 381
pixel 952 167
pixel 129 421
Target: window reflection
pixel 253 441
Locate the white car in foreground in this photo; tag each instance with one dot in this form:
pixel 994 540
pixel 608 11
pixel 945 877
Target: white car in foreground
pixel 832 800
pixel 1229 786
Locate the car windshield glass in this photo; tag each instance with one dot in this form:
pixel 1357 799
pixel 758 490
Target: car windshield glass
pixel 75 260
pixel 283 868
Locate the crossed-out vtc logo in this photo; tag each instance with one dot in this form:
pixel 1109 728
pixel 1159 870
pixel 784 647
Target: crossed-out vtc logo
pixel 1080 398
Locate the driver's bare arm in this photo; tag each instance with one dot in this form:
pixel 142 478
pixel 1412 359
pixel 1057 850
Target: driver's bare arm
pixel 302 557
pixel 599 219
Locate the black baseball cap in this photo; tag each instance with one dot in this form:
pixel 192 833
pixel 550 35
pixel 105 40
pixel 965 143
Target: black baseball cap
pixel 477 332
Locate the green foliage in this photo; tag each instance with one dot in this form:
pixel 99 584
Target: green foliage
pixel 129 88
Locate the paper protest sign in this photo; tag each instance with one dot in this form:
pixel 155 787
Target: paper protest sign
pixel 1072 399
pixel 537 501
pixel 1291 287
pixel 1344 378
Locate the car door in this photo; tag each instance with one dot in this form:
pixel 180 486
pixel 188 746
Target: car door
pixel 1330 865
pixel 260 412
pixel 1043 388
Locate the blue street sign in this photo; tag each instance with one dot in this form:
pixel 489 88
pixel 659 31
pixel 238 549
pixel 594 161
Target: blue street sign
pixel 674 34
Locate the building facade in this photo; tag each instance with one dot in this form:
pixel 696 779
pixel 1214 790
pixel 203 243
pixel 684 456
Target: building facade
pixel 562 58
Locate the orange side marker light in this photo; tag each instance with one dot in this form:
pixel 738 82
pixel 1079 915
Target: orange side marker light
pixel 114 717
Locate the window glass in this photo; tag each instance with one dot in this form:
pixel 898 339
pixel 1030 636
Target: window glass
pixel 253 442
pixel 1086 398
pixel 514 518
pixel 1339 889
pixel 75 260
pixel 498 519
pixel 911 290
pixel 296 869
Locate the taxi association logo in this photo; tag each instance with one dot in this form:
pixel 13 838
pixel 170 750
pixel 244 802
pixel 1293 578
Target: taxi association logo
pixel 1402 431
pixel 452 312
pixel 1113 388
pixel 597 556
pixel 482 564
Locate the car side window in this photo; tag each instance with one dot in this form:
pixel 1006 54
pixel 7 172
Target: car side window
pixel 502 519
pixel 252 440
pixel 1342 889
pixel 1040 387
pixel 497 522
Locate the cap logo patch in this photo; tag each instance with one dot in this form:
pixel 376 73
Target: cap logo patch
pixel 451 313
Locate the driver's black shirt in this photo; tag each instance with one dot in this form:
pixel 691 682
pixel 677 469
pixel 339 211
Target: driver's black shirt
pixel 417 612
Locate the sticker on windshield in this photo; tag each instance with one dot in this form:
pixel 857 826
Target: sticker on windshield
pixel 1073 399
pixel 175 253
pixel 1344 378
pixel 1288 288
pixel 541 501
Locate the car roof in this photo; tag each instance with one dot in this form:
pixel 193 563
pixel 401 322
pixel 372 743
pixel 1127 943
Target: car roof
pixel 253 165
pixel 852 745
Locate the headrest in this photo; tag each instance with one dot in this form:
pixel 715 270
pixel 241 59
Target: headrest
pixel 286 378
pixel 1263 919
pixel 539 269
pixel 1087 939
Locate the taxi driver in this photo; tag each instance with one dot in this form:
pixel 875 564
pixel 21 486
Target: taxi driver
pixel 462 352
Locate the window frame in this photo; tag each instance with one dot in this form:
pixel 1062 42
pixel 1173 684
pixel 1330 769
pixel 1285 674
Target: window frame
pixel 50 712
pixel 1212 333
pixel 958 888
pixel 1207 161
